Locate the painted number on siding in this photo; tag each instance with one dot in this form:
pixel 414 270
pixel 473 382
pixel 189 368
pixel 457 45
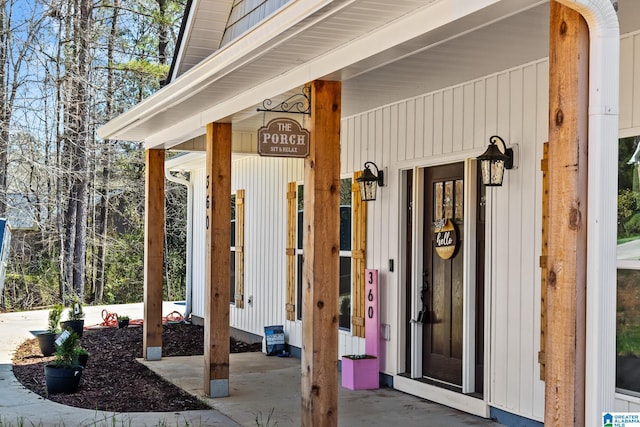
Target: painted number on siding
pixel 206 220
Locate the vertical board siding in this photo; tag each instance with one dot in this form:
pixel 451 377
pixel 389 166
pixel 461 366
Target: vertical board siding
pixel 468 121
pixel 626 403
pixel 198 260
pixel 453 124
pixel 626 82
pixel 630 81
pixel 531 184
pixel 513 209
pixel 265 183
pixel 479 115
pixel 635 87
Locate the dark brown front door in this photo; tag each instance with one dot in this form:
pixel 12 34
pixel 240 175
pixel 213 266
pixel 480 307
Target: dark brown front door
pixel 442 291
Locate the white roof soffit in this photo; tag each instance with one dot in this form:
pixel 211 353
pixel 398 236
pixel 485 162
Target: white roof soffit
pixel 292 48
pixel 204 27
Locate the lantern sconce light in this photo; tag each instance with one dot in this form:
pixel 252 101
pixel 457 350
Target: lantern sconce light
pixel 369 182
pixel 494 161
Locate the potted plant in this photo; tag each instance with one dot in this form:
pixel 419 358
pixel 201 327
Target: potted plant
pixel 83 356
pixel 123 321
pixel 63 374
pixel 46 339
pixel 75 315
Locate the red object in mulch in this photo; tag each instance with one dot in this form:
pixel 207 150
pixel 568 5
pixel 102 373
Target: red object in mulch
pixel 110 320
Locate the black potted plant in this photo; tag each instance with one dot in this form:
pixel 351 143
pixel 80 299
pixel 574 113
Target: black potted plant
pixel 63 374
pixel 46 339
pixel 75 315
pixel 83 356
pixel 123 321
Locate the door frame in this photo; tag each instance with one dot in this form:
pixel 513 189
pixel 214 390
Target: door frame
pixel 410 381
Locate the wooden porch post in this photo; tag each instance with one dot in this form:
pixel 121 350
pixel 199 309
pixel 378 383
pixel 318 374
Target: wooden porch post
pixel 566 280
pixel 321 258
pixel 153 254
pixel 218 260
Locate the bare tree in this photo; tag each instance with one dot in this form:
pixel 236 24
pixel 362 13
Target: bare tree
pixel 84 63
pixel 16 39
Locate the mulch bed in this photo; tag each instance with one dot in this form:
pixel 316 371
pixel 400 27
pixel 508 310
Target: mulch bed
pixel 113 380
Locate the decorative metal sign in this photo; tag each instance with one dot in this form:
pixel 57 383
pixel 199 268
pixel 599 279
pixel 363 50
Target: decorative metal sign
pixel 445 238
pixel 283 137
pixel 298 103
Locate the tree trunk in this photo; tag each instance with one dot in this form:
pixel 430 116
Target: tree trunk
pixel 76 128
pixel 163 38
pixel 4 122
pixel 103 208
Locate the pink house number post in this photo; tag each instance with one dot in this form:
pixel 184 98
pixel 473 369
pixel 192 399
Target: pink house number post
pixel 361 372
pixel 371 324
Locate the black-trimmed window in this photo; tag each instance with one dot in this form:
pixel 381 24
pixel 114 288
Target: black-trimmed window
pixel 628 259
pixel 232 283
pixel 345 285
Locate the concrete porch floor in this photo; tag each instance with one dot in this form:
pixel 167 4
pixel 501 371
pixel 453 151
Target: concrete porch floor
pixel 259 384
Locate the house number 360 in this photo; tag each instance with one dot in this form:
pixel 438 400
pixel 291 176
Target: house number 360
pixel 206 220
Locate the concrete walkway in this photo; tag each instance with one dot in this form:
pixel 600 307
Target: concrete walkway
pixel 265 391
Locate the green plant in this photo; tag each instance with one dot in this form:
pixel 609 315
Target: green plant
pixel 67 352
pixel 265 423
pixel 54 318
pixel 123 317
pixel 75 309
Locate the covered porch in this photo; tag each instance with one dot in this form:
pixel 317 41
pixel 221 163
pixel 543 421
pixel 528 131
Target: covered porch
pixel 262 384
pixel 356 56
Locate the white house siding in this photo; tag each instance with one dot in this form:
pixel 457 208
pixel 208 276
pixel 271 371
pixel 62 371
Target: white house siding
pixel 265 182
pixel 625 403
pixel 450 125
pixel 198 177
pixel 630 83
pixel 522 97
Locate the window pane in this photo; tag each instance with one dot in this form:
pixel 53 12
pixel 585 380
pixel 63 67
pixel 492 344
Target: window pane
pixel 299 286
pixel 344 300
pixel 345 214
pixel 232 289
pixel 628 331
pixel 233 220
pixel 448 200
pixel 300 214
pixel 345 228
pixel 438 209
pixel 459 200
pixel 629 199
pixel 233 278
pixel 628 280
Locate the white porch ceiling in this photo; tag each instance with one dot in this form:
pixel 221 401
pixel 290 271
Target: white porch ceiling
pixel 382 51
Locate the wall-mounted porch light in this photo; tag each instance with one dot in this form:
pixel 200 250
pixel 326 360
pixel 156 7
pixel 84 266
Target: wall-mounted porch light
pixel 369 182
pixel 494 161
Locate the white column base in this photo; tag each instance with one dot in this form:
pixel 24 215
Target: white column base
pixel 219 388
pixel 154 353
